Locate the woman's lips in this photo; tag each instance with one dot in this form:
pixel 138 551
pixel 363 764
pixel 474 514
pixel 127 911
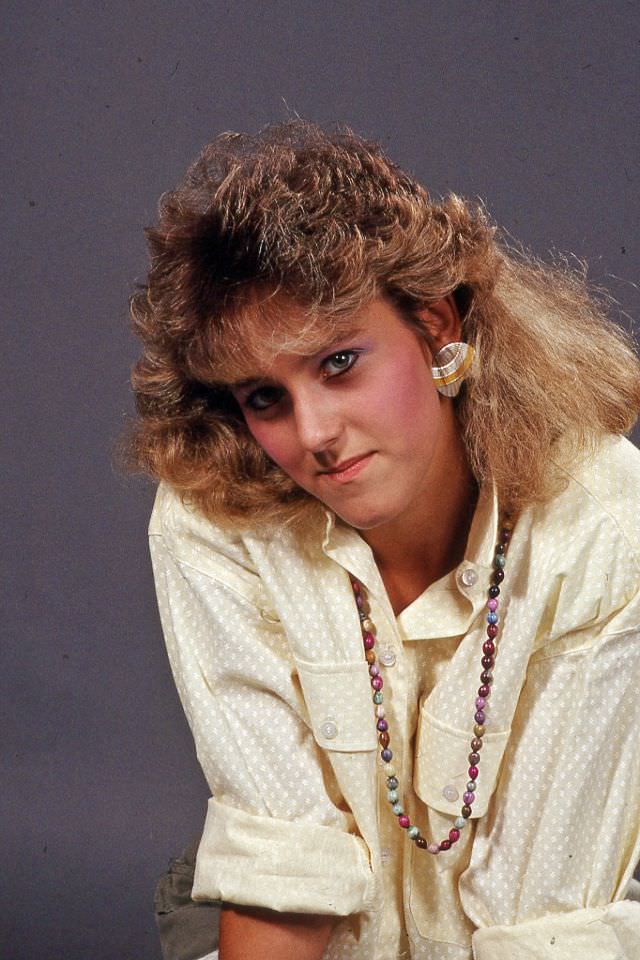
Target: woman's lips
pixel 345 474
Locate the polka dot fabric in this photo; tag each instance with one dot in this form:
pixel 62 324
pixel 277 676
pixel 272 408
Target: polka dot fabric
pixel 265 646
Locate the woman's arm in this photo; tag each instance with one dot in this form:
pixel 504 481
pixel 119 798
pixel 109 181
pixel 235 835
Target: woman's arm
pixel 253 934
pixel 278 835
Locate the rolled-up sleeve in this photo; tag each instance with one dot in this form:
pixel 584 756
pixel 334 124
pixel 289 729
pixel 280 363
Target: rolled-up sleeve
pixel 611 932
pixel 285 865
pixel 277 833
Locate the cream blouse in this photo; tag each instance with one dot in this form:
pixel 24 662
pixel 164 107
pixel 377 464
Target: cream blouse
pixel 265 646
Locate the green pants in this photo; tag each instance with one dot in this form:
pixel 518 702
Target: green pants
pixel 188 929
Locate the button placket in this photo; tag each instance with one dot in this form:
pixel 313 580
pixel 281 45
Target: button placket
pixel 392 654
pixel 471 580
pixel 387 638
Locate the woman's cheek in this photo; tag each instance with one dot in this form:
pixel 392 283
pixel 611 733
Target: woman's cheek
pixel 404 395
pixel 275 442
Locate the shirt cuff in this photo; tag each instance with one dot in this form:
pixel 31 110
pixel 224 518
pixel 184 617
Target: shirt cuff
pixel 611 932
pixel 289 866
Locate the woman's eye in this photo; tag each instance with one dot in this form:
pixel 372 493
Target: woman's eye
pixel 339 362
pixel 263 398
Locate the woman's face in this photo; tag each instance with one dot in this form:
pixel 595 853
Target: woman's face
pixel 358 424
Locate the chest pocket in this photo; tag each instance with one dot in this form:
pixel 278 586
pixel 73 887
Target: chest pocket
pixel 441 766
pixel 338 698
pixel 441 773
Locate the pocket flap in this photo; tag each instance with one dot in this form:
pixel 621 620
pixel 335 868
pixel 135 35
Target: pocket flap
pixel 441 769
pixel 338 697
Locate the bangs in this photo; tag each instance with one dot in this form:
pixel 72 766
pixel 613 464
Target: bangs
pixel 245 342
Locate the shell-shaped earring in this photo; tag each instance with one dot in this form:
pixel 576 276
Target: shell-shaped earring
pixel 451 365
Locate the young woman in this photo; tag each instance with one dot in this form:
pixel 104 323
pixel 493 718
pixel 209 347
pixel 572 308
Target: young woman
pixel 396 546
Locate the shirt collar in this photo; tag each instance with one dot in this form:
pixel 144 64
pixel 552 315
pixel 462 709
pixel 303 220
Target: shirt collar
pixel 481 541
pixel 468 581
pixel 483 533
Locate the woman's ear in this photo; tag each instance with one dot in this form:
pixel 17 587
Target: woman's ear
pixel 441 323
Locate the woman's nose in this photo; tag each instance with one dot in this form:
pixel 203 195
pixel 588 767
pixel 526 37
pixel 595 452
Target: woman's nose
pixel 318 423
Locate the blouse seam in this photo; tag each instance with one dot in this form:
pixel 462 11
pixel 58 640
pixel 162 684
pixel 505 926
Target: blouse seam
pixel 171 534
pixel 213 579
pixel 605 635
pixel 592 496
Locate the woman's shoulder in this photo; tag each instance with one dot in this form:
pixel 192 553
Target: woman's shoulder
pixel 603 492
pixel 195 539
pixel 585 543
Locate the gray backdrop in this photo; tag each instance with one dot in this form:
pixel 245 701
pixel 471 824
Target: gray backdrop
pixel 532 106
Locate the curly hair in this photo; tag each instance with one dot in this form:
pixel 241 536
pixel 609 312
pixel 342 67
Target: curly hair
pixel 324 219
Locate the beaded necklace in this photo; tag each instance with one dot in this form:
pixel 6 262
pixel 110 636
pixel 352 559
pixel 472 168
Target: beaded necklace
pixel 484 690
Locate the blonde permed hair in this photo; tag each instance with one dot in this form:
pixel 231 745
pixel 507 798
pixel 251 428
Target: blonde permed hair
pixel 325 221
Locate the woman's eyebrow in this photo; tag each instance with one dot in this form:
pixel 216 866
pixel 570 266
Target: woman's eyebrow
pixel 245 384
pixel 249 382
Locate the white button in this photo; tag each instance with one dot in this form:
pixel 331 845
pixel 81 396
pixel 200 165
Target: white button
pixel 387 658
pixel 468 577
pixel 450 793
pixel 329 730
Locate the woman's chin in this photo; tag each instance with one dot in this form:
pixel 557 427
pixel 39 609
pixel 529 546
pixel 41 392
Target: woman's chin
pixel 363 518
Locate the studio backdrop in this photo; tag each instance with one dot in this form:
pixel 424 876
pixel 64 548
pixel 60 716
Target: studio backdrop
pixel 531 107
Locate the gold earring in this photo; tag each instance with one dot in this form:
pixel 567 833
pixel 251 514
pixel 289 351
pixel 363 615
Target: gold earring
pixel 451 365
